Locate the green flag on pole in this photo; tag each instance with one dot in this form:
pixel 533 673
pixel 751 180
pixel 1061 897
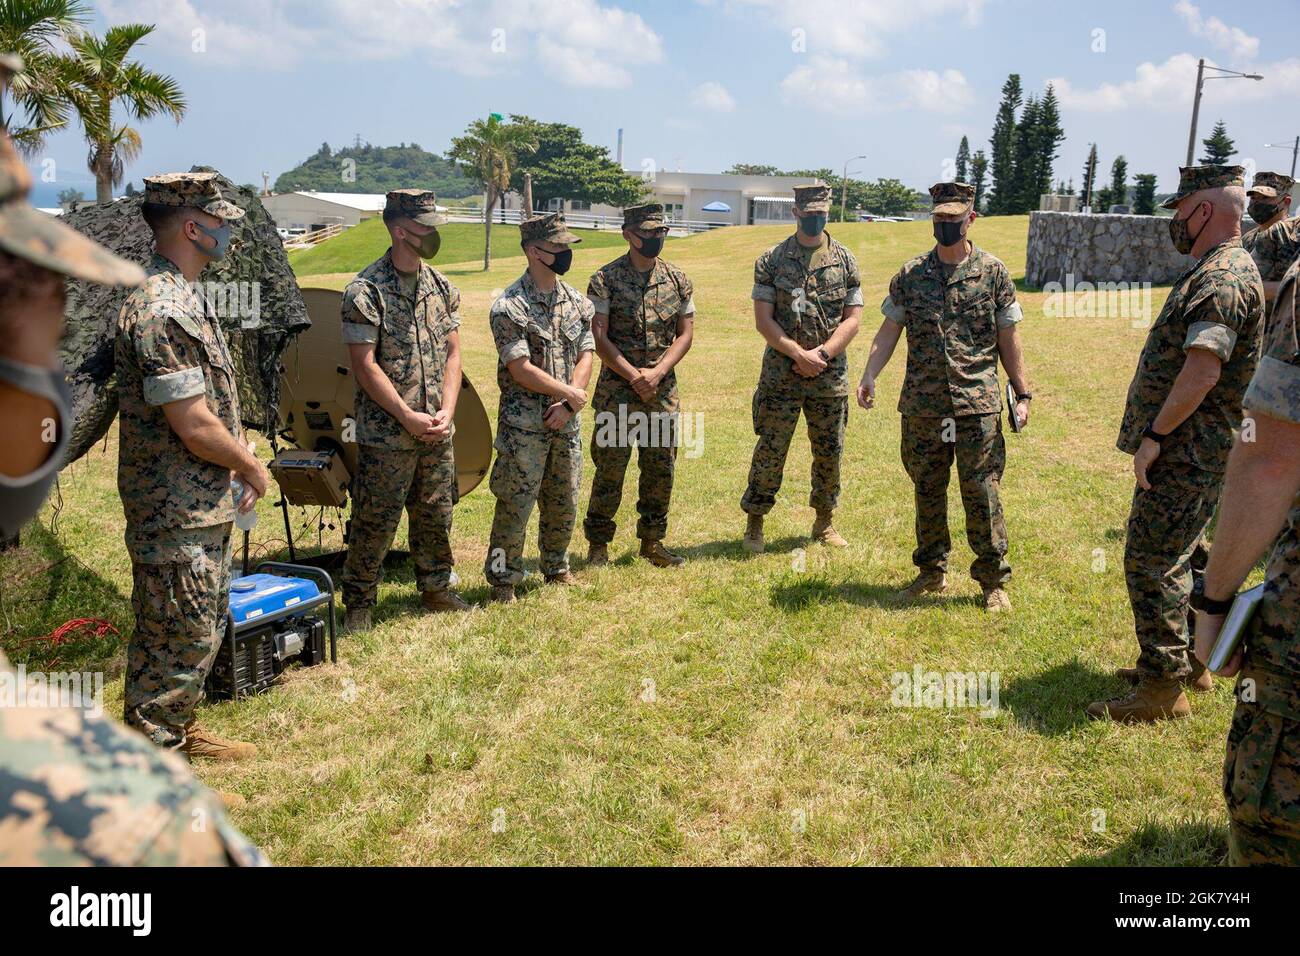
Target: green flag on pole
pixel 496 116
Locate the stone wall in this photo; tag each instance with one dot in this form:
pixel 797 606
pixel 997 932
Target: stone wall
pixel 1101 248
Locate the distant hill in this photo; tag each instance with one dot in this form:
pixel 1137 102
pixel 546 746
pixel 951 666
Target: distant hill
pixel 377 169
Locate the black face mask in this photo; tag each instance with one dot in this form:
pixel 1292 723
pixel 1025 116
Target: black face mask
pixel 1180 232
pixel 651 246
pixel 561 262
pixel 948 233
pixel 812 225
pixel 1262 212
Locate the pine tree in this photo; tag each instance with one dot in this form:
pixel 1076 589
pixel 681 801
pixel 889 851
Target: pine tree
pixel 1144 194
pixel 1002 147
pixel 1026 160
pixel 1119 181
pixel 1219 148
pixel 979 165
pixel 1046 141
pixel 963 159
pixel 1089 177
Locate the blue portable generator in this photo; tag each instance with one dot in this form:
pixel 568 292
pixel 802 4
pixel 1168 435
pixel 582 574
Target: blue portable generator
pixel 278 616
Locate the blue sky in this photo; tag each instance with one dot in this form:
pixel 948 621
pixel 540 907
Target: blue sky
pixel 702 84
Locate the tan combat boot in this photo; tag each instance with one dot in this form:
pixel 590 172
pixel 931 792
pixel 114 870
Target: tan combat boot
pixel 564 577
pixel 927 582
pixel 201 743
pixel 824 533
pixel 753 541
pixel 1151 700
pixel 659 556
pixel 356 619
pixel 597 554
pixel 503 594
pixel 442 599
pixel 1199 680
pixel 996 600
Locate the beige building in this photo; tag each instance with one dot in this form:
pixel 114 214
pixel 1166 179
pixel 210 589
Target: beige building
pixel 309 211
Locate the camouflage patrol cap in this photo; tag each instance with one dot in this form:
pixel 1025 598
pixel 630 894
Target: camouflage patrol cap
pixel 648 217
pixel 814 198
pixel 417 205
pixel 1271 186
pixel 1192 179
pixel 194 190
pixel 951 199
pixel 550 227
pixel 41 239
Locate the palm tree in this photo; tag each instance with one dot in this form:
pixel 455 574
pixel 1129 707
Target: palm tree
pixel 490 147
pixel 104 76
pixel 33 29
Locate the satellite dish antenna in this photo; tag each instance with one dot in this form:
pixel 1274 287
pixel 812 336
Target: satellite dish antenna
pixel 316 409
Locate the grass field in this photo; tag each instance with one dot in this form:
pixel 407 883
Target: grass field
pixel 736 710
pixel 461 242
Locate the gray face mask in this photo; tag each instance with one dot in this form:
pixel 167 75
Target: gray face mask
pixel 219 235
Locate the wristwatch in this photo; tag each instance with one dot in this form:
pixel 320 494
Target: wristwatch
pixel 1025 397
pixel 1154 435
pixel 1207 605
pixel 826 356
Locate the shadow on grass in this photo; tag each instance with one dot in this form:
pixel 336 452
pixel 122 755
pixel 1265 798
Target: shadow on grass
pixel 1156 844
pixel 42 586
pixel 809 591
pixel 1053 702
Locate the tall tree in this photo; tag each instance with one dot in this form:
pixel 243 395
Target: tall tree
pixel 1002 148
pixel 1119 181
pixel 34 29
pixel 489 148
pixel 979 164
pixel 1144 194
pixel 963 160
pixel 1219 148
pixel 1018 199
pixel 563 166
pixel 1046 136
pixel 104 76
pixel 1089 177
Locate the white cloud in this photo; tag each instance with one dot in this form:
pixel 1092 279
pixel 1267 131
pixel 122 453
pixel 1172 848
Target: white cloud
pixel 1232 40
pixel 1172 83
pixel 859 28
pixel 581 43
pixel 713 96
pixel 833 85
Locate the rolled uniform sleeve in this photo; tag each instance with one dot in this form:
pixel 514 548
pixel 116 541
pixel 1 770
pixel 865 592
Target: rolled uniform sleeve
pixel 598 293
pixel 764 283
pixel 363 311
pixel 588 341
pixel 892 307
pixel 1007 309
pixel 1275 389
pixel 852 281
pixel 510 336
pixel 688 298
pixel 1216 312
pixel 170 359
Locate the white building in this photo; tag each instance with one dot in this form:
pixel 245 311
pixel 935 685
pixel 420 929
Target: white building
pixel 722 199
pixel 308 211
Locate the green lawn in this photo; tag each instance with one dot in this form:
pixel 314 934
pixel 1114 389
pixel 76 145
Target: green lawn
pixel 462 242
pixel 736 710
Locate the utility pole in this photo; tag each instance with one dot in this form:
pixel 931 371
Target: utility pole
pixel 1295 151
pixel 1219 74
pixel 844 185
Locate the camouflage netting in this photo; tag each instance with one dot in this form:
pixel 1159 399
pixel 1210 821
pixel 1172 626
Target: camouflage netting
pixel 256 256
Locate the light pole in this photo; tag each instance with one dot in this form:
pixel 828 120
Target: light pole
pixel 1222 74
pixel 1295 151
pixel 844 184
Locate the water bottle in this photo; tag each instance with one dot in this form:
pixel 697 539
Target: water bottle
pixel 244 522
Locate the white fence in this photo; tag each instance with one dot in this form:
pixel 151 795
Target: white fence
pixel 582 220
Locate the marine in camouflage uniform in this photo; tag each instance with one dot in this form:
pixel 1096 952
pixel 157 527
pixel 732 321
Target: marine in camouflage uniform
pixel 179 507
pixel 78 790
pixel 410 320
pixel 951 400
pixel 812 291
pixel 36 251
pixel 644 314
pixel 1275 243
pixel 537 464
pixel 1216 305
pixel 1261 770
